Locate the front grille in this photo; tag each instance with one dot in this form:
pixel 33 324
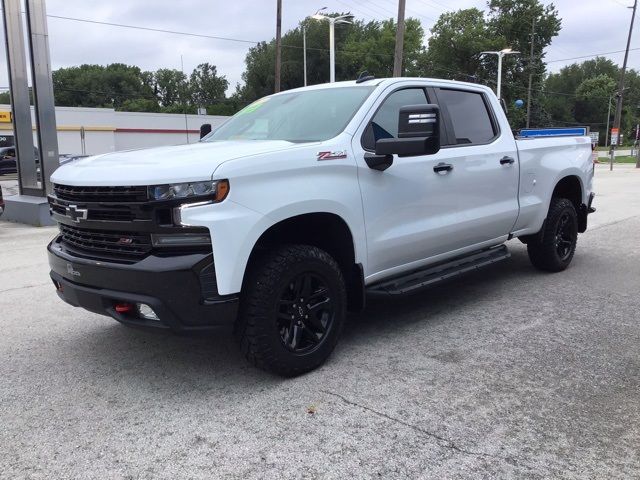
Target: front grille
pixel 101 194
pixel 100 242
pixel 113 214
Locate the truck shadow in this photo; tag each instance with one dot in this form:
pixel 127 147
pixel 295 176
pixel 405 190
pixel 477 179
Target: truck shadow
pixel 156 359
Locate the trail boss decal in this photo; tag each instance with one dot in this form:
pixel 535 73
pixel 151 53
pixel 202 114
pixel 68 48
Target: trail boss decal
pixel 332 155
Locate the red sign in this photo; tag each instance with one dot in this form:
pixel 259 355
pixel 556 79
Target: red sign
pixel 614 136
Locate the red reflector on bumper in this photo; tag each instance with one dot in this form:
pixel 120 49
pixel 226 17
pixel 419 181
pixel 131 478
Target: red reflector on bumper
pixel 123 307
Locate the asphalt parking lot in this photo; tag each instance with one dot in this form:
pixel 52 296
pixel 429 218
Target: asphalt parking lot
pixel 507 373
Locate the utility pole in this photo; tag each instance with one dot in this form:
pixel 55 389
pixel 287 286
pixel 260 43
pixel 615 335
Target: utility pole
pixel 606 137
pixel 618 116
pixel 278 45
pixel 397 57
pixel 533 33
pixel 304 53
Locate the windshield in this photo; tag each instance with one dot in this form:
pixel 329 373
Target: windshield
pixel 304 116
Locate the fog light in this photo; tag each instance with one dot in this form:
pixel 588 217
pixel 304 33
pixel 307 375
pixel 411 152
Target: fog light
pixel 180 239
pixel 146 312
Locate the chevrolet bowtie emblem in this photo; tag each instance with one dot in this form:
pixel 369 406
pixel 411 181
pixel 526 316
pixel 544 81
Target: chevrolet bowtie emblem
pixel 76 214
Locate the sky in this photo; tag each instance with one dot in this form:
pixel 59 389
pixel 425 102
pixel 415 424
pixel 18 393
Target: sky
pixel 588 27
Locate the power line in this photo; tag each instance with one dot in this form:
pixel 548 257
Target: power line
pixel 386 14
pixel 415 12
pixel 590 56
pixel 256 42
pixel 360 12
pixel 151 29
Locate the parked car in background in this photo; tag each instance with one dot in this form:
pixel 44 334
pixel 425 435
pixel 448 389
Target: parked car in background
pixel 8 160
pixel 8 163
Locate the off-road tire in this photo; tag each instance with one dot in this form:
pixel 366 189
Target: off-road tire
pixel 257 328
pixel 543 249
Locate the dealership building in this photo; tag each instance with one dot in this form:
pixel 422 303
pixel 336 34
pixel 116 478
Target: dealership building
pixel 92 131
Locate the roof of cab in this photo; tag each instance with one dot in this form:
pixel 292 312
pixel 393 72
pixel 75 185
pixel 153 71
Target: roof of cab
pixel 380 82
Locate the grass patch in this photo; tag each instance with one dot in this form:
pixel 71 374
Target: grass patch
pixel 623 159
pixel 606 149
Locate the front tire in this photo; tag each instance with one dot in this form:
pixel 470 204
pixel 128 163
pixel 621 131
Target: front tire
pixel 292 310
pixel 553 249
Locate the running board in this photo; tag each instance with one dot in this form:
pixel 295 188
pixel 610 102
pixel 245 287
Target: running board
pixel 432 275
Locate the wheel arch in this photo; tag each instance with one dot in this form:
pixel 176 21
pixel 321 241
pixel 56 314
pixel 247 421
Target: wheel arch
pixel 571 188
pixel 327 231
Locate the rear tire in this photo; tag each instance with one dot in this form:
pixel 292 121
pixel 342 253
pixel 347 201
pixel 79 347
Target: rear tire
pixel 552 249
pixel 292 310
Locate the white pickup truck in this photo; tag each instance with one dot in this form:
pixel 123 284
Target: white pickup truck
pixel 282 219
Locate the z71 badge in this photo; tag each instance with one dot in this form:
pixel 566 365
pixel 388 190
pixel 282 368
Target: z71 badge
pixel 332 155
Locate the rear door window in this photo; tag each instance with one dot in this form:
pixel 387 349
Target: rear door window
pixel 469 115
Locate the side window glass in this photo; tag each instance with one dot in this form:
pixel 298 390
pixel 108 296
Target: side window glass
pixel 384 123
pixel 469 116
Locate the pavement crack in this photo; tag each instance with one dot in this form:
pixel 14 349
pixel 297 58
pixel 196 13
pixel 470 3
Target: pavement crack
pixel 442 441
pixel 615 222
pixel 24 287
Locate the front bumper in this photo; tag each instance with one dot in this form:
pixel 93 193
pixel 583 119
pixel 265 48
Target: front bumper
pixel 180 289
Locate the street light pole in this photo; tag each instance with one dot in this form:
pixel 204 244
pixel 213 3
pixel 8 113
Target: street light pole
pixel 500 54
pixel 332 38
pixel 332 50
pixel 499 86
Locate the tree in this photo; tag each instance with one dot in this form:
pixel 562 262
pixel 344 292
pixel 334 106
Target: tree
pixel 99 86
pixel 511 21
pixel 140 105
pixel 592 98
pixel 457 39
pixel 205 86
pixel 560 88
pixel 370 46
pixel 170 87
pixel 359 46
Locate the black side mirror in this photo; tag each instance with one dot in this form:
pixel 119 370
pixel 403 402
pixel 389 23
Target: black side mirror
pixel 205 129
pixel 418 133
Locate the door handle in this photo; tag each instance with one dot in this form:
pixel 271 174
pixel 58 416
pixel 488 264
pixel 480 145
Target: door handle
pixel 507 161
pixel 443 167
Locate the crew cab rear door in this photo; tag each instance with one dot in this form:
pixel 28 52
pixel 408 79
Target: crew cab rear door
pixel 484 160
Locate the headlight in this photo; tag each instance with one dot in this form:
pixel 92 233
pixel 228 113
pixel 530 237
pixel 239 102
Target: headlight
pixel 217 190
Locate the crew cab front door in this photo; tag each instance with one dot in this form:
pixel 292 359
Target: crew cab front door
pixel 410 211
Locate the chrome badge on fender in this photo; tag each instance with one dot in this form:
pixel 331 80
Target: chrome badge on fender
pixel 332 155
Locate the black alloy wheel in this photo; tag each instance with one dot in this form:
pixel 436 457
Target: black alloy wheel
pixel 293 306
pixel 565 237
pixel 552 249
pixel 305 312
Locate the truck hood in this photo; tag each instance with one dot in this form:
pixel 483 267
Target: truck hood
pixel 154 166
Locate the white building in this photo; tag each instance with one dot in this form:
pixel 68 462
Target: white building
pixel 99 130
